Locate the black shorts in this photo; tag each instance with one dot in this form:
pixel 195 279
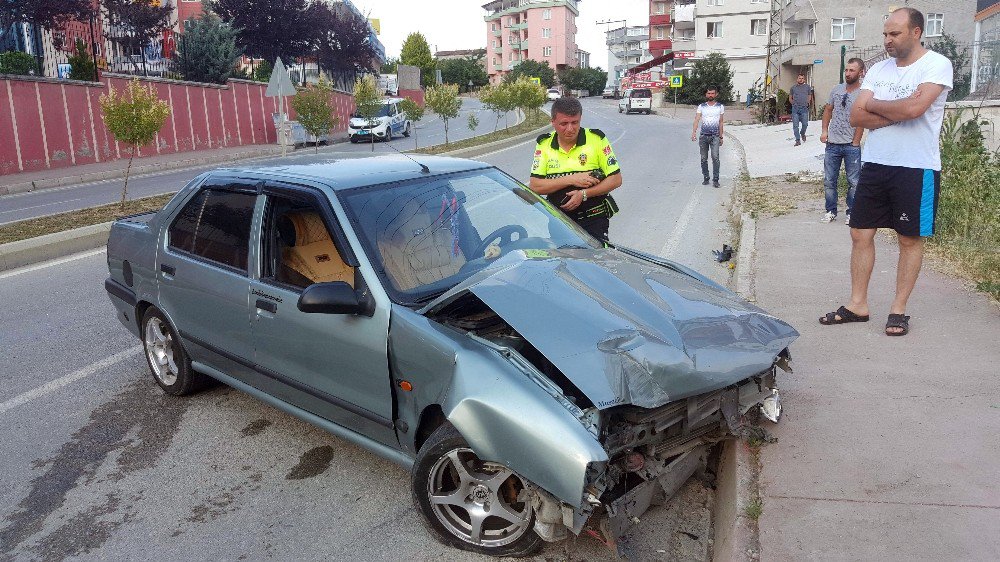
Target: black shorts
pixel 903 199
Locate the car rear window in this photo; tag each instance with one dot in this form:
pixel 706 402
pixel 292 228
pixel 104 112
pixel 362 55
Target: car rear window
pixel 642 93
pixel 215 225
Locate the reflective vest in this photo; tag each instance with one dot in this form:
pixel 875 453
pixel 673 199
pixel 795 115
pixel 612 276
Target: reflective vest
pixel 592 153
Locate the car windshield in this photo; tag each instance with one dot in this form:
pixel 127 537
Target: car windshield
pixel 427 235
pixel 382 112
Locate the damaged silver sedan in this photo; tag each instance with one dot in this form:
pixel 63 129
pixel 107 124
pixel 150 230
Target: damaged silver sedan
pixel 534 380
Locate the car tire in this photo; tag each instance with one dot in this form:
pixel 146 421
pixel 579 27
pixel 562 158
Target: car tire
pixel 166 358
pixel 620 109
pixel 435 473
pixel 388 133
pixel 354 140
pixel 406 131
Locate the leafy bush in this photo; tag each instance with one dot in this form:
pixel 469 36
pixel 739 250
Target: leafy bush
pixel 134 117
pixel 206 51
pixel 81 63
pixel 712 71
pixel 314 111
pixel 17 63
pixel 444 101
pixel 414 113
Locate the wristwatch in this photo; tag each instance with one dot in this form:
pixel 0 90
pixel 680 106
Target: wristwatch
pixel 584 194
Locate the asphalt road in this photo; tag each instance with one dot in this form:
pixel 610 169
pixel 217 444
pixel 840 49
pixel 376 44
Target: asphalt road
pixel 428 131
pixel 99 464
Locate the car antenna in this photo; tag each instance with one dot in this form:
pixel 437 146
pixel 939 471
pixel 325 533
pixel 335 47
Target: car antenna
pixel 423 167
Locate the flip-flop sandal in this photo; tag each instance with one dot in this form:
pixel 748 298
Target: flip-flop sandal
pixel 898 321
pixel 846 316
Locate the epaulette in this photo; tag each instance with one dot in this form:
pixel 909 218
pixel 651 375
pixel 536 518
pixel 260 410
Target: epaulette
pixel 600 134
pixel 542 137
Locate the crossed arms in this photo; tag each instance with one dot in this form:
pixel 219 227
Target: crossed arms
pixel 871 113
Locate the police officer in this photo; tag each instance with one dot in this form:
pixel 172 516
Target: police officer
pixel 576 169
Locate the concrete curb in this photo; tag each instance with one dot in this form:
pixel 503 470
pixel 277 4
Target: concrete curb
pixel 51 246
pixel 475 151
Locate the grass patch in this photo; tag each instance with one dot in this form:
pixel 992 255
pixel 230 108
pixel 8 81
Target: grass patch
pixel 534 121
pixel 754 508
pixel 31 228
pixel 762 197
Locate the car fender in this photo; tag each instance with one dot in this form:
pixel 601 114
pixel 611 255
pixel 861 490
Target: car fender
pixel 503 414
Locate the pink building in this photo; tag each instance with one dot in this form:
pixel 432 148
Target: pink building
pixel 540 30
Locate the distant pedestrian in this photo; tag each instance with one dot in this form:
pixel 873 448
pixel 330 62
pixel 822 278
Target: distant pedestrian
pixel 708 131
pixel 843 142
pixel 902 103
pixel 801 97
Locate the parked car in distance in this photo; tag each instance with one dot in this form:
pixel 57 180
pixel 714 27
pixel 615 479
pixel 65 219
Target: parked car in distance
pixel 389 121
pixel 553 94
pixel 609 93
pixel 636 99
pixel 534 380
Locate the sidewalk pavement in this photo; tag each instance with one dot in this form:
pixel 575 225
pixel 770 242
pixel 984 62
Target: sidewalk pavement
pixel 774 150
pixel 888 446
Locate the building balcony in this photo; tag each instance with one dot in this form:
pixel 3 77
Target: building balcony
pixel 518 26
pixel 683 44
pixel 799 55
pixel 497 32
pixel 659 19
pixel 682 15
pixel 796 14
pixel 660 45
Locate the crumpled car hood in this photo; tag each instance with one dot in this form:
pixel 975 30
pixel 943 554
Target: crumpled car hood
pixel 624 330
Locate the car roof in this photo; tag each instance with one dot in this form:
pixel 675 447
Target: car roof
pixel 348 173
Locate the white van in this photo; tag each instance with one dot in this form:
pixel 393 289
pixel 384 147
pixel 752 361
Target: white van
pixel 389 122
pixel 636 99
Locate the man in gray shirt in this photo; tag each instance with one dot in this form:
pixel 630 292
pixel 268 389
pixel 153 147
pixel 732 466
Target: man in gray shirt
pixel 801 97
pixel 843 142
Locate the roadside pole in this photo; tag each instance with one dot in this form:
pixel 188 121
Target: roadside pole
pixel 676 81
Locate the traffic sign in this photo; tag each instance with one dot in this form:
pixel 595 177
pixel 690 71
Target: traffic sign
pixel 818 61
pixel 677 81
pixel 536 80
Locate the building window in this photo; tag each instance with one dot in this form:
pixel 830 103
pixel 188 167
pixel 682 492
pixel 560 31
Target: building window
pixel 546 32
pixel 660 8
pixel 811 34
pixel 793 38
pixel 714 29
pixel 547 51
pixel 935 25
pixel 760 1
pixel 493 26
pixel 842 30
pixel 659 33
pixel 758 27
pixel 495 63
pixel 716 3
pixel 546 14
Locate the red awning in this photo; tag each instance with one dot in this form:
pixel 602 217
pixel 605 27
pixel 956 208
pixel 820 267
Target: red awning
pixel 650 64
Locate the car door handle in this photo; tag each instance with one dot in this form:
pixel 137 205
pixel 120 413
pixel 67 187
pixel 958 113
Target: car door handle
pixel 267 306
pixel 168 269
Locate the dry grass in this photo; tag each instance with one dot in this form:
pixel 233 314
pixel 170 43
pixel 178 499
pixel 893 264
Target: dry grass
pixel 772 197
pixel 533 122
pixel 31 228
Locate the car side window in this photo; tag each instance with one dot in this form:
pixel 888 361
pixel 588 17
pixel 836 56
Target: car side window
pixel 297 247
pixel 215 225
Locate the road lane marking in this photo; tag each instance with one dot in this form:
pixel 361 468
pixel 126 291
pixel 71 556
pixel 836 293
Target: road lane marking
pixel 36 207
pixel 50 263
pixel 670 247
pixel 55 385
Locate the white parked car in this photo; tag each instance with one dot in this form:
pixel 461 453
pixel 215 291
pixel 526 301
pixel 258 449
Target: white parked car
pixel 389 122
pixel 636 99
pixel 553 94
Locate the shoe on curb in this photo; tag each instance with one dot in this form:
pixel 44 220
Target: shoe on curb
pixel 828 217
pixel 847 220
pixel 797 143
pixel 715 183
pixel 704 181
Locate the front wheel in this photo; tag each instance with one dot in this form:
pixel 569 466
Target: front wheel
pixel 167 360
pixel 471 504
pixel 388 133
pixel 619 109
pixel 406 131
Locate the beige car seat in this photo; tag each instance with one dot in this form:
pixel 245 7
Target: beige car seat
pixel 314 256
pixel 418 247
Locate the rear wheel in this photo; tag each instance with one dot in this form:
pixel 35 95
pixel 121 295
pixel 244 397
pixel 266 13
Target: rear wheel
pixel 469 503
pixel 388 133
pixel 167 360
pixel 406 131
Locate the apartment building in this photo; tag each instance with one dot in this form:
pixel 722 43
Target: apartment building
pixel 539 30
pixel 815 34
pixel 628 47
pixel 986 50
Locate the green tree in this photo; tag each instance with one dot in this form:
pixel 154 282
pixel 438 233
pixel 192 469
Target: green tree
pixel 711 71
pixel 527 95
pixel 390 66
pixel 498 98
pixel 573 78
pixel 314 111
pixel 368 102
pixel 532 68
pixel 596 79
pixel 17 63
pixel 81 64
pixel 463 71
pixel 959 57
pixel 444 101
pixel 473 122
pixel 206 51
pixel 133 116
pixel 416 52
pixel 414 113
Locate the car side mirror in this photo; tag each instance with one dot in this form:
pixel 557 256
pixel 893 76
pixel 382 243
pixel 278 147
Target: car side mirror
pixel 335 297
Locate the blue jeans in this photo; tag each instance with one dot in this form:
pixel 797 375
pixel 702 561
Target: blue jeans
pixel 851 155
pixel 800 115
pixel 706 142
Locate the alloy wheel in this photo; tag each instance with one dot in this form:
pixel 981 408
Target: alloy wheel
pixel 159 344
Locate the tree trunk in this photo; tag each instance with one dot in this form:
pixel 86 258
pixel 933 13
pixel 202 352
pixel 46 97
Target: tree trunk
pixel 128 169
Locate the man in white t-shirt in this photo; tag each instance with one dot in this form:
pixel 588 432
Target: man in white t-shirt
pixel 902 103
pixel 707 131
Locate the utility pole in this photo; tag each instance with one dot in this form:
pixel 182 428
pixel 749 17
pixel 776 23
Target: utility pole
pixel 772 70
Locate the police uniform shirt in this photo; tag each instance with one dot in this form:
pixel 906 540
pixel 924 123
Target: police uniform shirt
pixel 592 153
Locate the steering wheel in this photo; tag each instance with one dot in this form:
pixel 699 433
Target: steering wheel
pixel 505 234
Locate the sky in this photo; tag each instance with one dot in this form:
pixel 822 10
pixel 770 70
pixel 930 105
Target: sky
pixel 458 24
